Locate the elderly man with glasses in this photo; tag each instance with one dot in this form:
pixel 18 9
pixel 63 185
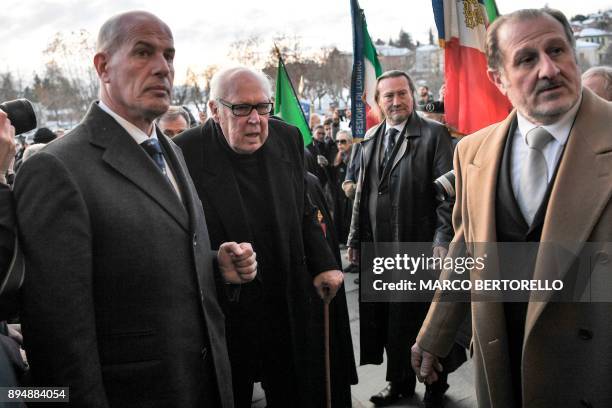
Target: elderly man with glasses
pixel 249 173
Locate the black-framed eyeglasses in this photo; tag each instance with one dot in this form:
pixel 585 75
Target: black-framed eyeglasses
pixel 245 109
pixel 341 141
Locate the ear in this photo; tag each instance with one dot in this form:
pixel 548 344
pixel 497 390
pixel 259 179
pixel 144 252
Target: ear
pixel 101 63
pixel 496 77
pixel 214 110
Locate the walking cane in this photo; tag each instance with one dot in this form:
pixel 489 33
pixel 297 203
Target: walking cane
pixel 327 360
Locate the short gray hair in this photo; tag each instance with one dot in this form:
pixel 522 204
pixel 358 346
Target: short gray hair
pixel 605 73
pixel 173 113
pixel 346 133
pixel 492 50
pixel 220 82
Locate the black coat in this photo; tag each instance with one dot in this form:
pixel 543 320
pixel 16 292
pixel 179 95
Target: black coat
pixel 300 245
pixel 416 216
pixel 119 300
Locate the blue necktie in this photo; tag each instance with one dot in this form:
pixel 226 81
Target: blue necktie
pixel 152 147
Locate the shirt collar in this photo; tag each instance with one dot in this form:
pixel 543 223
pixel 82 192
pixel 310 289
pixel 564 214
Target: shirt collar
pixel 138 135
pixel 399 127
pixel 560 130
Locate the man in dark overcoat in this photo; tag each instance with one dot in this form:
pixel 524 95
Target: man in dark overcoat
pixel 395 202
pixel 119 298
pixel 248 169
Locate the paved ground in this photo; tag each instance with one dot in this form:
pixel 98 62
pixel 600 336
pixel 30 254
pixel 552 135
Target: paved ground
pixel 372 377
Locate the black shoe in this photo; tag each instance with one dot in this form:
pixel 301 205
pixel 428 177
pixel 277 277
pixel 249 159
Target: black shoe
pixel 391 393
pixel 434 399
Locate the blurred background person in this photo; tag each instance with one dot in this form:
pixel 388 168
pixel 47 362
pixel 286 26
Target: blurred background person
pixel 174 121
pixel 599 80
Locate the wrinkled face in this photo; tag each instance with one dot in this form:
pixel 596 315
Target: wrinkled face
pixel 319 134
pixel 343 143
pixel 173 127
pixel 244 134
pixel 539 72
pixel 138 75
pixel 395 99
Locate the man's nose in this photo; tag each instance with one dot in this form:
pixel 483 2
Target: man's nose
pixel 548 67
pixel 161 66
pixel 253 116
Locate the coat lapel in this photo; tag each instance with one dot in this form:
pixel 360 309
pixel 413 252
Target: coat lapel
pixel 183 180
pixel 126 157
pixel 482 175
pixel 280 172
pixel 221 190
pixel 412 129
pixel 369 148
pixel 582 189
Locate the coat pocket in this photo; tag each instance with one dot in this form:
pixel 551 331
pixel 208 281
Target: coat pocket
pixel 129 347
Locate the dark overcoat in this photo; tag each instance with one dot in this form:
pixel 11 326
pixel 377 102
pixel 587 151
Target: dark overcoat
pixel 300 245
pixel 424 153
pixel 119 299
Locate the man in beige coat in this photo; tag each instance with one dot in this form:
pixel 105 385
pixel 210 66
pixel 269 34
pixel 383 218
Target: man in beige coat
pixel 545 353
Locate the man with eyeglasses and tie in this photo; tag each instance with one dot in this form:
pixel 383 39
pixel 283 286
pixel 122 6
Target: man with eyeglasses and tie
pixel 396 202
pixel 120 294
pixel 248 169
pixel 542 176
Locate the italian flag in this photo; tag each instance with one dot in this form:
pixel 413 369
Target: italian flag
pixel 471 101
pixel 366 69
pixel 286 103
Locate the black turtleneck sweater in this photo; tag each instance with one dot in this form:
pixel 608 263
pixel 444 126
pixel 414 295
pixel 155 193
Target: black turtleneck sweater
pixel 252 181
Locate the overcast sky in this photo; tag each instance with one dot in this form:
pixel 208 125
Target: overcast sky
pixel 204 29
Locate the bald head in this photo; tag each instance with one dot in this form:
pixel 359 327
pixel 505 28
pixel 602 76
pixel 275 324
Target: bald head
pixel 225 81
pixel 599 80
pixel 240 104
pixel 135 64
pixel 116 30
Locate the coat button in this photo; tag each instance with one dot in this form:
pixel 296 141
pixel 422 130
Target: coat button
pixel 585 334
pixel 204 353
pixel 195 240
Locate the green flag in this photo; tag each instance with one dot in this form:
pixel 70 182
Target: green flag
pixel 287 105
pixel 492 12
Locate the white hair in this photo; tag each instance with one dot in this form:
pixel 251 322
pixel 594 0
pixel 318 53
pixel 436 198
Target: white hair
pixel 347 133
pixel 220 82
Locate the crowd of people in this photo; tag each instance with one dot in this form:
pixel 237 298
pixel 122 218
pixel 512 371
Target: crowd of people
pixel 176 264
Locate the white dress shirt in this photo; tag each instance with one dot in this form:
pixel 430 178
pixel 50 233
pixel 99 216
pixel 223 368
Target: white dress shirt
pixel 399 129
pixel 139 136
pixel 559 130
